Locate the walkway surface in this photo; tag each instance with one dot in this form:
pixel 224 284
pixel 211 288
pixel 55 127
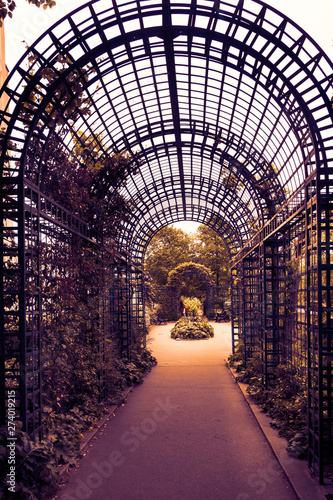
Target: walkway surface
pixel 185 433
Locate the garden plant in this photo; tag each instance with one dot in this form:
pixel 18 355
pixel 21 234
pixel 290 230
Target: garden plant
pixel 193 327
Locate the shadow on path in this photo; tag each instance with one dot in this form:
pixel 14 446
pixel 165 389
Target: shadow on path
pixel 185 433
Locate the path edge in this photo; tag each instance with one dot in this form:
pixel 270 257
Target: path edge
pixel 304 484
pixel 88 436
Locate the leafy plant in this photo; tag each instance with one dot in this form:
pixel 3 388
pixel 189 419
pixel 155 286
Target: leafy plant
pixel 37 461
pixel 132 372
pixel 286 403
pixel 211 251
pixel 192 305
pixel 36 473
pixel 64 432
pixel 192 329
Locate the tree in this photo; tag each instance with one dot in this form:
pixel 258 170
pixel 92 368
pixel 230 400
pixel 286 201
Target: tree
pixel 212 252
pixel 190 279
pixel 169 248
pixel 173 253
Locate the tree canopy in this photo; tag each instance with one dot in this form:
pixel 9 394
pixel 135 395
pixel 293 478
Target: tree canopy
pixel 176 276
pixel 190 279
pixel 212 252
pixel 172 247
pixel 169 248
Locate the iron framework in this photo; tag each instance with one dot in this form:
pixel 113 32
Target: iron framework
pixel 226 106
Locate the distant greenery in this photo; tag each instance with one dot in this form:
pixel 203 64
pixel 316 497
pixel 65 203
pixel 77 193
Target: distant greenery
pixel 167 250
pixel 186 264
pixel 172 247
pixel 211 251
pixel 190 279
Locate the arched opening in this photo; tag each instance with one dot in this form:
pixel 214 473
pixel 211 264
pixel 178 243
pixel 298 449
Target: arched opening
pixel 191 279
pixel 224 115
pixel 185 264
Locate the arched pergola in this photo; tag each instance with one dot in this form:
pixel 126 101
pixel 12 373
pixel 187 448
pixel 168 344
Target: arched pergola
pixel 226 106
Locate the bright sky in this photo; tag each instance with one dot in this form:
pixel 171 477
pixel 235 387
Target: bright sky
pixel 29 22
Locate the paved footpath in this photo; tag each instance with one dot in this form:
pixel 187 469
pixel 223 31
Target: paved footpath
pixel 185 433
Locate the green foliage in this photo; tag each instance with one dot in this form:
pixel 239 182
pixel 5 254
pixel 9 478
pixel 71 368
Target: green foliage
pixel 165 303
pixel 192 329
pixel 36 474
pixel 231 180
pixel 7 8
pixel 73 284
pixel 169 248
pixel 37 462
pixel 132 372
pixel 298 445
pixel 251 374
pixel 193 306
pixel 151 315
pixel 73 103
pixel 187 263
pixel 286 403
pixel 64 431
pixel 88 186
pixel 212 252
pixel 172 247
pixel 235 360
pixel 190 279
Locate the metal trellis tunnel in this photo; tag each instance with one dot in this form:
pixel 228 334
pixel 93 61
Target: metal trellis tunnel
pixel 227 105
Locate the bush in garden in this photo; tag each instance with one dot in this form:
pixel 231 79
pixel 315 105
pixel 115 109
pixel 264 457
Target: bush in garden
pixel 36 472
pixel 192 329
pixel 192 305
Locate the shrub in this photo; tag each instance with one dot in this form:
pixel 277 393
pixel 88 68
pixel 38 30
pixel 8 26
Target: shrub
pixel 192 305
pixel 192 329
pixel 36 474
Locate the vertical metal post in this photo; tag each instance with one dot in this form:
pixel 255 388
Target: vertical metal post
pixel 270 332
pixel 320 325
pixel 314 383
pixel 251 297
pixel 138 303
pixel 22 308
pixel 236 316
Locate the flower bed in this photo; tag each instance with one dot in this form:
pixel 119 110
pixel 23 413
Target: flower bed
pixel 192 329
